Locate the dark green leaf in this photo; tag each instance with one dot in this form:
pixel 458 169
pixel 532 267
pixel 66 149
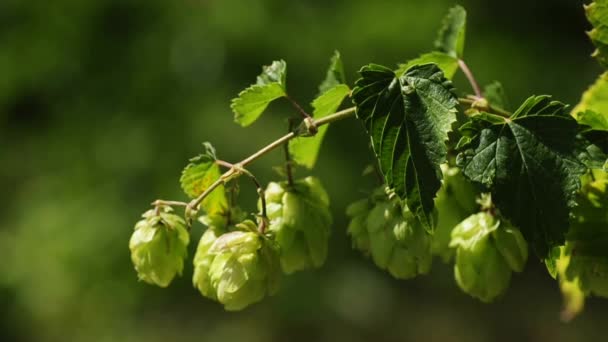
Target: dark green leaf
pixel 495 94
pixel 335 74
pixel 452 33
pixel 199 175
pixel 408 119
pixel 252 102
pixel 305 150
pixel 597 13
pixel 445 62
pixel 529 163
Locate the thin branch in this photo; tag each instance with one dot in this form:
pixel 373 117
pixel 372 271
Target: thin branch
pixel 262 196
pixel 193 205
pixel 298 108
pixel 161 203
pixel 288 165
pixel 467 72
pixel 224 164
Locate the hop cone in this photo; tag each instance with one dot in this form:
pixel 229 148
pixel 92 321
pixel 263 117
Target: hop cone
pixel 455 201
pixel 391 234
pixel 237 268
pixel 300 220
pixel 487 251
pixel 158 247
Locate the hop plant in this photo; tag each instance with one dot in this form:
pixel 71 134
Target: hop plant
pixel 300 221
pixel 159 246
pixel 391 234
pixel 487 251
pixel 236 268
pixel 455 201
pixel 530 158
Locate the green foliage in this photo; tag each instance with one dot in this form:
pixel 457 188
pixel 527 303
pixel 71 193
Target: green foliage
pixel 487 251
pixel 595 98
pixel 300 221
pixel 159 246
pixel 199 175
pixel 335 74
pixel 408 119
pixel 252 102
pixel 593 140
pixel 475 192
pixel 581 265
pixel 597 13
pixel 451 36
pixel 528 162
pixel 445 62
pixel 596 121
pixel 391 234
pixel 495 94
pixel 236 268
pixel 588 235
pixel 305 150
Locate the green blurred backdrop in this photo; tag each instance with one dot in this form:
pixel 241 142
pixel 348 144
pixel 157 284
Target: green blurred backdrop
pixel 103 101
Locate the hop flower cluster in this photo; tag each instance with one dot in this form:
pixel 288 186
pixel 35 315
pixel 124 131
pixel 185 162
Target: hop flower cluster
pixel 487 251
pixel 236 268
pixel 455 201
pixel 385 228
pixel 159 246
pixel 300 221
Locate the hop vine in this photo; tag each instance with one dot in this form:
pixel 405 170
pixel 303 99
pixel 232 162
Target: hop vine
pixel 465 178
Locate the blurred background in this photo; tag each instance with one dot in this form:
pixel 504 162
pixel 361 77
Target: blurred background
pixel 102 102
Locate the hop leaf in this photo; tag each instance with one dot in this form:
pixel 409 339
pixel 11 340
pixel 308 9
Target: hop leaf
pixel 597 13
pixel 487 250
pixel 495 94
pixel 529 163
pixel 451 36
pixel 300 219
pixel 252 102
pixel 334 75
pixel 408 119
pixel 588 235
pixel 391 234
pixel 305 150
pixel 448 64
pixel 199 174
pixel 595 98
pixel 159 246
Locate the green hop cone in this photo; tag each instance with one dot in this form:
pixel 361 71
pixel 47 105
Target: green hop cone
pixel 391 234
pixel 487 251
pixel 357 228
pixel 237 268
pixel 512 246
pixel 300 221
pixel 455 201
pixel 159 246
